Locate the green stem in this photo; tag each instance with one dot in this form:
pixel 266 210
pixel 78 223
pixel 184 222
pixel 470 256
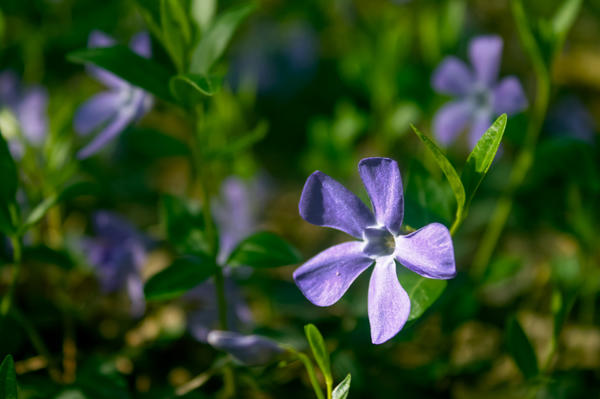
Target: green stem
pixel 311 374
pixel 16 268
pixel 525 158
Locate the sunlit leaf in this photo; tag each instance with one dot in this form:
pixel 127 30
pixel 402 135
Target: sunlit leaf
pixel 176 30
pixel 215 40
pixel 482 156
pixel 341 391
pixel 317 345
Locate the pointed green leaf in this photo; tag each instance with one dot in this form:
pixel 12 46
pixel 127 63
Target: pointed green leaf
pixel 203 12
pixel 448 169
pixel 190 89
pixel 8 379
pixel 482 156
pixel 264 250
pixel 565 17
pixel 317 345
pixel 184 274
pixel 521 349
pixel 126 64
pixel 422 291
pixel 215 40
pixel 341 391
pixel 8 171
pixel 176 31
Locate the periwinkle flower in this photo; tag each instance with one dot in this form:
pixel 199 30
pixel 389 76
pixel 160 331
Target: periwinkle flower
pixel 28 106
pixel 324 278
pixel 113 110
pixel 118 253
pixel 479 95
pixel 250 350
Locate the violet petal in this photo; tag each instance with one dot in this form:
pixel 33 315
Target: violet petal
pixel 324 278
pixel 140 44
pixel 509 97
pixel 485 53
pixel 452 77
pixel 251 350
pixel 116 126
pixel 97 111
pixel 450 120
pixel 389 304
pixel 428 252
pixel 381 177
pixel 325 202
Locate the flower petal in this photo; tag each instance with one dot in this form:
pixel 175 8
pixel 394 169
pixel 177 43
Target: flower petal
pixel 450 120
pixel 452 77
pixel 428 252
pixel 325 202
pixel 116 126
pixel 140 44
pixel 97 111
pixel 389 304
pixel 135 290
pixel 251 350
pixel 32 114
pixel 324 278
pixel 509 97
pixel 480 123
pixel 485 53
pixel 381 177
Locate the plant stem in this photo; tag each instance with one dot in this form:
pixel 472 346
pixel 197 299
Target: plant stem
pixel 311 374
pixel 525 158
pixel 16 268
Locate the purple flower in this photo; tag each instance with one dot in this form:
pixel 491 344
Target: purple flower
pixel 28 105
pixel 236 212
pixel 250 350
pixel 569 117
pixel 113 110
pixel 118 252
pixel 327 276
pixel 479 95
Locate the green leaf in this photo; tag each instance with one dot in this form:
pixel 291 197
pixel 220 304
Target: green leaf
pixel 317 345
pixel 214 42
pixel 8 169
pixel 8 379
pixel 185 226
pixel 126 64
pixel 264 250
pixel 455 182
pixel 203 12
pixel 423 291
pixel 176 31
pixel 565 17
pixel 190 89
pixel 241 144
pixel 72 191
pixel 152 143
pixel 6 226
pixel 482 156
pixel 184 274
pixel 341 391
pixel 521 349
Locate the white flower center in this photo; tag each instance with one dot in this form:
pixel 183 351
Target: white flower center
pixel 378 242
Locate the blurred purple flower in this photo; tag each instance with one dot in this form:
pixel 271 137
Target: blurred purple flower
pixel 279 59
pixel 327 276
pixel 250 350
pixel 569 117
pixel 479 94
pixel 118 252
pixel 29 107
pixel 113 110
pixel 236 212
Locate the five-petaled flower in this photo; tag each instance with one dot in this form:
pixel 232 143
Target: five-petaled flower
pixel 327 276
pixel 479 95
pixel 115 109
